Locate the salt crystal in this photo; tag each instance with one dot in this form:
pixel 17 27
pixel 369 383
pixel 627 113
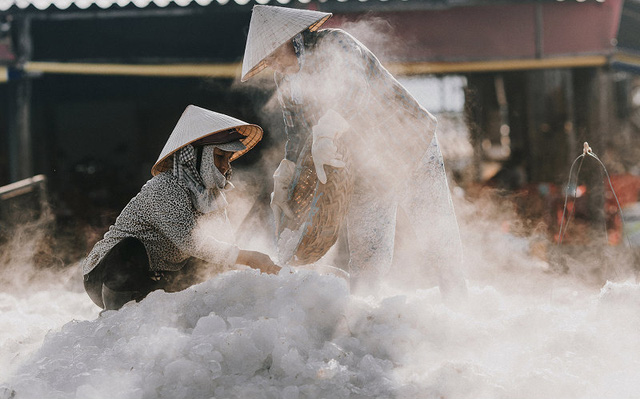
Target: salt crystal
pixel 209 325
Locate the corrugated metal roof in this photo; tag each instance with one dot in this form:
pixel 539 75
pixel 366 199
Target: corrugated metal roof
pixel 104 4
pixel 6 5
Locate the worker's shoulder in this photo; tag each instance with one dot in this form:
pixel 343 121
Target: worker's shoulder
pixel 163 186
pixel 337 43
pixel 338 36
pixel 334 33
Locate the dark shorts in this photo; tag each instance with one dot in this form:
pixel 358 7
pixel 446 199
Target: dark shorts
pixel 125 268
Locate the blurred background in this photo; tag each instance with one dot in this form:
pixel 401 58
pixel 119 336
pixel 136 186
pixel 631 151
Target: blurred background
pixel 91 89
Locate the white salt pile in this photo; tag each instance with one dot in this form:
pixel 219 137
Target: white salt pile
pixel 301 335
pixel 33 304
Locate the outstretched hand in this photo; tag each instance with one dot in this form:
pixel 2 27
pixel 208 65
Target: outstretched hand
pixel 257 260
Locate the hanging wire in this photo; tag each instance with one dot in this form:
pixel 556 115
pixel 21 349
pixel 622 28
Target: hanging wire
pixel 562 232
pixel 586 151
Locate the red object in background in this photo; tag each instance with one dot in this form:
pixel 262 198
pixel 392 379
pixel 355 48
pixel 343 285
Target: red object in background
pixel 546 202
pixel 627 189
pixel 513 30
pixel 6 52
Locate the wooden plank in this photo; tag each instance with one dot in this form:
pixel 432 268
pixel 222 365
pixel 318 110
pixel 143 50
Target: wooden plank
pixel 420 68
pixel 232 70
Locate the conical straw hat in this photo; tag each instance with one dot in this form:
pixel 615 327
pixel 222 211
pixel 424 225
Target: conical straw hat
pixel 271 27
pixel 196 123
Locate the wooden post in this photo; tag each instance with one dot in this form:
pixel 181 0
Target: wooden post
pixel 20 143
pixel 549 122
pixel 515 86
pixel 592 112
pixel 539 32
pixel 480 105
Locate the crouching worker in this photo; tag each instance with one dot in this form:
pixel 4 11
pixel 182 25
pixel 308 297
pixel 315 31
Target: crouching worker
pixel 155 243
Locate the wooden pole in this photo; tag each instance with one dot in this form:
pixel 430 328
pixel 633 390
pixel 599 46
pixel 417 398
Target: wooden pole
pixel 550 114
pixel 20 153
pixel 592 117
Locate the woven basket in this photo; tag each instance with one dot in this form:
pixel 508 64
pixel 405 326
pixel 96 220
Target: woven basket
pixel 319 209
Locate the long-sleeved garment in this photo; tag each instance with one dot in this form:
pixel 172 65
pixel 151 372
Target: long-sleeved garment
pixel 163 218
pixel 393 150
pixel 390 130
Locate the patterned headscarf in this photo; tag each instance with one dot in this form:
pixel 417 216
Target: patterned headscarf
pixel 298 48
pixel 205 199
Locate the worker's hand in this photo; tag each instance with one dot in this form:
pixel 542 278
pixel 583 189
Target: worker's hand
pixel 324 150
pixel 257 260
pixel 282 178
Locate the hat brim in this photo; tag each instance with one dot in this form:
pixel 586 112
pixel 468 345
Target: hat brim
pixel 252 135
pixel 232 146
pixel 262 64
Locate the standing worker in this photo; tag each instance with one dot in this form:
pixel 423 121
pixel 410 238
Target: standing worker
pixel 352 116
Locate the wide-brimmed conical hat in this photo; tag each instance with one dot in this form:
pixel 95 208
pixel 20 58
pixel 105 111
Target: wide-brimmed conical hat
pixel 271 27
pixel 196 123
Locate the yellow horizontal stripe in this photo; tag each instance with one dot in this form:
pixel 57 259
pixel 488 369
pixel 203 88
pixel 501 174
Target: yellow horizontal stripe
pixel 230 70
pixel 420 68
pixel 627 58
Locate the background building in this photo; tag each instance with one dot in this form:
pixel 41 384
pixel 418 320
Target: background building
pixel 92 88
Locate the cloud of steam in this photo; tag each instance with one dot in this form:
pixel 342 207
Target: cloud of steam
pixel 377 34
pixel 526 331
pixel 39 292
pixel 518 253
pixel 299 335
pixel 387 141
